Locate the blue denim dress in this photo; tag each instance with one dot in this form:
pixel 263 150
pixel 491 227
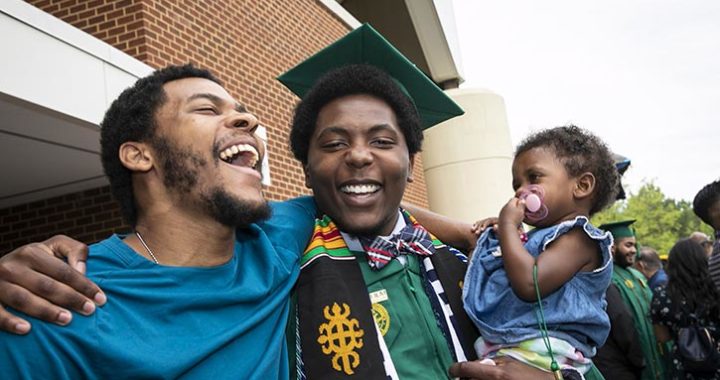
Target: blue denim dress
pixel 575 312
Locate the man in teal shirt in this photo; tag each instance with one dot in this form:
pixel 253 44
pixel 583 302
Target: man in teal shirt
pixel 204 278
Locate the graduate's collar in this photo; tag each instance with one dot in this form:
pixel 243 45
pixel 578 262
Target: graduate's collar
pixel 354 244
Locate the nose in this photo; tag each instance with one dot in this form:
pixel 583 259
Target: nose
pixel 243 120
pixel 522 189
pixel 359 156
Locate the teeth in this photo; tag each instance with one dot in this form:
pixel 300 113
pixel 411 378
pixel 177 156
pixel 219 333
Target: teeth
pixel 360 189
pixel 229 154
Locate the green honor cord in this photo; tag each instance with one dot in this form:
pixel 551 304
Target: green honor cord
pixel 554 367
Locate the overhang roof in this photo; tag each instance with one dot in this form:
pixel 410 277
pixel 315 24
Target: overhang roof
pixel 56 84
pixel 423 30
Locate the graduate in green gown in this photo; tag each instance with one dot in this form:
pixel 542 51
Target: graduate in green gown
pixel 356 132
pixel 636 294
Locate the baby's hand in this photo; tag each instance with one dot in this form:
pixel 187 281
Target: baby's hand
pixel 480 226
pixel 513 212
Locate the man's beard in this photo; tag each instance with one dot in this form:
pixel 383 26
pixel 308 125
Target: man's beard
pixel 180 167
pixel 231 211
pixel 623 262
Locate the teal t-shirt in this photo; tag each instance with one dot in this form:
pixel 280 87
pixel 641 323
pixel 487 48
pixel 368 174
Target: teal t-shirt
pixel 223 322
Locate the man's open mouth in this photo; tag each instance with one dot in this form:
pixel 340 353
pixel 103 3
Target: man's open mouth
pixel 240 155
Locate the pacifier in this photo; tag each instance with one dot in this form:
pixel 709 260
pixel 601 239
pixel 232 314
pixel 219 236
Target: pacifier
pixel 535 210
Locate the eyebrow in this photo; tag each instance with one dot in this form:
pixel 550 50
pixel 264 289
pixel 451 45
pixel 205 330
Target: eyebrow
pixel 534 167
pixel 217 100
pixel 329 130
pixel 344 131
pixel 382 127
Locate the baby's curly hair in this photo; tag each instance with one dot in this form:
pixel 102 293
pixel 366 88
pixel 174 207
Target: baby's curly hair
pixel 353 80
pixel 704 199
pixel 580 151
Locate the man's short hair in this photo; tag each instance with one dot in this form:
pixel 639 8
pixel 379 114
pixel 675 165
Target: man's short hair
pixel 353 80
pixel 704 199
pixel 701 238
pixel 650 257
pixel 131 117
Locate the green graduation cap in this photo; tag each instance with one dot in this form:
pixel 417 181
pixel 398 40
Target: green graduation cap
pixel 366 45
pixel 619 230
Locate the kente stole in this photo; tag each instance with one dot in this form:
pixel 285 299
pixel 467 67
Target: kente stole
pixel 336 333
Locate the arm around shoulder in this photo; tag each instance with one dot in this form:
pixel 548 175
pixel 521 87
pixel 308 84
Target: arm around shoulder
pixel 450 231
pixel 34 280
pixel 291 223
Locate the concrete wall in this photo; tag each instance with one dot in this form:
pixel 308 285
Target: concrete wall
pixel 468 159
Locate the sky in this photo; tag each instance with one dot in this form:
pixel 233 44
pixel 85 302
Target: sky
pixel 643 75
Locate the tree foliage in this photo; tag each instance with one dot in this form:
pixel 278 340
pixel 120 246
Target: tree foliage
pixel 661 221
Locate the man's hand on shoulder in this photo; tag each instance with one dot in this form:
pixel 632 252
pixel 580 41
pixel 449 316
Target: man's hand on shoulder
pixel 35 280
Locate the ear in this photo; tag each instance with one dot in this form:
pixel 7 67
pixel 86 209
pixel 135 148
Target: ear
pixel 307 176
pixel 584 185
pixel 136 156
pixel 411 168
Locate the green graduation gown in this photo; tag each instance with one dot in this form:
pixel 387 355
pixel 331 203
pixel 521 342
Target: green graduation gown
pixel 637 296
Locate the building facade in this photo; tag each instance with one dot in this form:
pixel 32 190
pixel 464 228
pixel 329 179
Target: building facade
pixel 52 181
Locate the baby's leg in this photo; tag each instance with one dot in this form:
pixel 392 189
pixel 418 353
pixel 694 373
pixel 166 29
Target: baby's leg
pixel 534 353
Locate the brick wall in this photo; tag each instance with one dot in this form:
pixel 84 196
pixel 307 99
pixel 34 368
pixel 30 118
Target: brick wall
pixel 88 216
pixel 246 43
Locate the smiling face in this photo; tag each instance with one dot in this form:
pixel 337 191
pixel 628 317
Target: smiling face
pixel 624 251
pixel 358 164
pixel 540 166
pixel 207 154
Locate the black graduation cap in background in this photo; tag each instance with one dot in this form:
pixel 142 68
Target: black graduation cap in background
pixel 621 164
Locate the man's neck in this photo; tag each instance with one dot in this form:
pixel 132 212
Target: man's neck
pixel 652 273
pixel 623 266
pixel 183 240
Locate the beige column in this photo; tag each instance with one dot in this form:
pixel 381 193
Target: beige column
pixel 467 159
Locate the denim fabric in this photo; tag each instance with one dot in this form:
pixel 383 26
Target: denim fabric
pixel 658 279
pixel 575 312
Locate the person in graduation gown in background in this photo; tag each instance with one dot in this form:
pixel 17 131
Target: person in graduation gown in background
pixel 633 288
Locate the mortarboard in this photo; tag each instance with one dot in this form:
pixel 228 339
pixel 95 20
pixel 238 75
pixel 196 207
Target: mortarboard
pixel 620 229
pixel 366 45
pixel 621 164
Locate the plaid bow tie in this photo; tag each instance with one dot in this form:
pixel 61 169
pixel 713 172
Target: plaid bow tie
pixel 410 240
